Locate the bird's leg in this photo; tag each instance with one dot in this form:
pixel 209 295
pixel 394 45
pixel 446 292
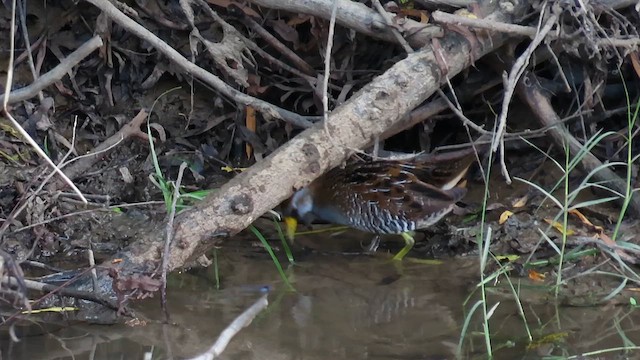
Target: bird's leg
pixel 373 246
pixel 408 244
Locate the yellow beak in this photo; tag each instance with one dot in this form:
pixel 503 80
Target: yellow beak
pixel 292 226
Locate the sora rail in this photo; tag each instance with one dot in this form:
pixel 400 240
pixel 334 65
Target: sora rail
pixel 384 196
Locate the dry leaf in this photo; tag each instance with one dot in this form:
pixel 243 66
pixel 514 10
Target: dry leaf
pixel 509 258
pixel 586 222
pixel 536 276
pixel 521 201
pixel 250 121
pixel 556 225
pixel 504 217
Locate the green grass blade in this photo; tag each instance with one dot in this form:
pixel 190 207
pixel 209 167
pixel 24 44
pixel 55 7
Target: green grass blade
pixel 276 262
pixel 285 243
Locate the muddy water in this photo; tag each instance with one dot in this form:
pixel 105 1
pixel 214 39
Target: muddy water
pixel 344 307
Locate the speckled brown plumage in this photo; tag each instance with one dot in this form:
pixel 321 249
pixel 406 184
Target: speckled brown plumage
pixel 384 196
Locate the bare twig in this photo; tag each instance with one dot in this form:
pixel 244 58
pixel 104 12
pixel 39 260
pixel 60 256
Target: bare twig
pixel 387 19
pixel 280 47
pixel 92 265
pixel 513 29
pixel 509 87
pixel 40 265
pixel 359 17
pixel 438 105
pixel 54 74
pixel 9 266
pixel 327 64
pixel 621 43
pixel 60 290
pixel 465 120
pixel 528 31
pixel 168 238
pixel 22 57
pixel 27 44
pixel 82 163
pixel 243 320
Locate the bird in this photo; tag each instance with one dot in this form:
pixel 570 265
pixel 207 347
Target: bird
pixel 384 196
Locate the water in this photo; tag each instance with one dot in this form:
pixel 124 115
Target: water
pixel 344 307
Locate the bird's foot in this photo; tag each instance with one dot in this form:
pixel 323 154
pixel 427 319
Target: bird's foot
pixel 409 242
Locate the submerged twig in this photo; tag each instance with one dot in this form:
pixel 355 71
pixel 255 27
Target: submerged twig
pixel 62 290
pixel 243 320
